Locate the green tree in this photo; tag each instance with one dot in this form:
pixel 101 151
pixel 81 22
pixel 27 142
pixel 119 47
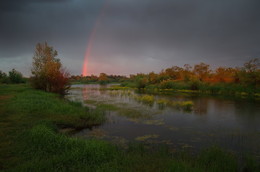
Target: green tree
pixel 3 78
pixel 141 80
pixel 15 77
pixel 47 71
pixel 103 79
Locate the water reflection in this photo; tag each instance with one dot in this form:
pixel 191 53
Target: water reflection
pixel 233 124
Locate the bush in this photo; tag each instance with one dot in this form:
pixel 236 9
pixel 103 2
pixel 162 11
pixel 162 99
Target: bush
pixel 16 77
pixel 167 84
pixel 4 78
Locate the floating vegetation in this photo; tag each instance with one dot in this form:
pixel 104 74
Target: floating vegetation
pixel 92 102
pixel 75 88
pixel 154 122
pixel 120 93
pixel 119 141
pixel 146 137
pixel 186 146
pixel 185 105
pixel 149 99
pixel 115 87
pixel 97 133
pixel 111 107
pixel 114 93
pixel 172 128
pixel 145 99
pixel 124 111
pixel 162 101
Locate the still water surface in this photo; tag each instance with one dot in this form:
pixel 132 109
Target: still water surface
pixel 232 124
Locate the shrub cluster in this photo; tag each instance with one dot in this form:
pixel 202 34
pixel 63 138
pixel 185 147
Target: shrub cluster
pixel 14 77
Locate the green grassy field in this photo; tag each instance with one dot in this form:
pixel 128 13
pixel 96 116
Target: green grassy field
pixel 30 125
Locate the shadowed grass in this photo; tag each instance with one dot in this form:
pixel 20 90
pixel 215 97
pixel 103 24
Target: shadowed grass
pixel 24 107
pixel 46 150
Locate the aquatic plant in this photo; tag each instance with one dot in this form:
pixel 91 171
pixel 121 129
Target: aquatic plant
pixel 154 122
pixel 187 105
pixel 146 137
pixel 184 105
pixel 162 101
pixel 149 99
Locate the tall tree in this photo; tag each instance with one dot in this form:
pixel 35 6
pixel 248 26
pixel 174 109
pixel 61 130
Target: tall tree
pixel 47 71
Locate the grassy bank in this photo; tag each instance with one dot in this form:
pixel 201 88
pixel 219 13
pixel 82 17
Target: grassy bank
pixel 30 121
pixel 198 88
pixel 22 108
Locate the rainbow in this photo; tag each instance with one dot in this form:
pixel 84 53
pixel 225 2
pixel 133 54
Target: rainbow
pixel 88 51
pixel 91 40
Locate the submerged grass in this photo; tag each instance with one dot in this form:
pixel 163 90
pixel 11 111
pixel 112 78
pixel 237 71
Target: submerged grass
pixel 123 111
pixel 145 137
pixel 30 141
pixel 149 99
pixel 184 105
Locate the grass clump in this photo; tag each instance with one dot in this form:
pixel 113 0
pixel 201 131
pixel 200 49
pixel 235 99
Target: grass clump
pixel 184 105
pixel 148 99
pixel 46 150
pixel 145 137
pixel 34 104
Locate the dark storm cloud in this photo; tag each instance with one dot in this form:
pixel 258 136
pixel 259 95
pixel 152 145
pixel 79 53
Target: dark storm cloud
pixel 156 34
pixel 213 29
pixel 24 23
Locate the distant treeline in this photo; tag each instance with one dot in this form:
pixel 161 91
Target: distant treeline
pixel 198 77
pixel 13 77
pixel 102 78
pixel 201 77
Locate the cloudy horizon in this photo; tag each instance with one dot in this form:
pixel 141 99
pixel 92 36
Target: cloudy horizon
pixel 130 36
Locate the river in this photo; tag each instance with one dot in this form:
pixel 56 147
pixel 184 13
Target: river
pixel 233 124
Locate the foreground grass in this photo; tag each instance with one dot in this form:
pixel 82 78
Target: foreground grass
pixel 30 141
pixel 22 108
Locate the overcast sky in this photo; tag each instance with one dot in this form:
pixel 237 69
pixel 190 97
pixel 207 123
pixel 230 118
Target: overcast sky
pixel 131 35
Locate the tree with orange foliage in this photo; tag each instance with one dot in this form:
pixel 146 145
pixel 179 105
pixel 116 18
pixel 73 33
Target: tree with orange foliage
pixel 47 71
pixel 224 75
pixel 250 73
pixel 202 71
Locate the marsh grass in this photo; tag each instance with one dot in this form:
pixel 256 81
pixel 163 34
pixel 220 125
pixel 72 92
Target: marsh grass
pixel 123 111
pixel 146 137
pixel 149 99
pixel 184 105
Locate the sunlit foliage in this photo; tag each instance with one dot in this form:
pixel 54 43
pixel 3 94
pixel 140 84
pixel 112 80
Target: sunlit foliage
pixel 200 77
pixel 47 71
